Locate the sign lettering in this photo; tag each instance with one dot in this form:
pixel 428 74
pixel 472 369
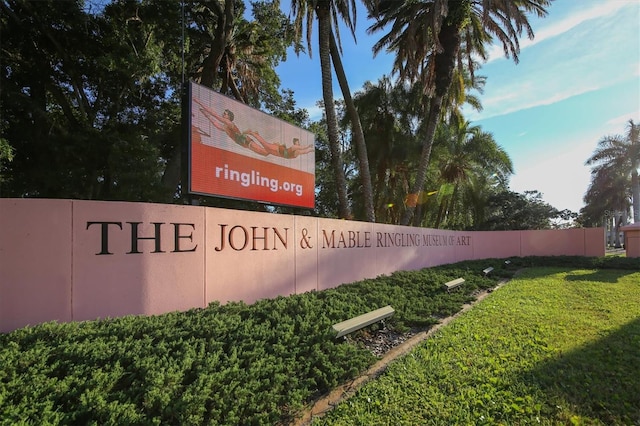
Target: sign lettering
pixel 238 238
pixel 135 237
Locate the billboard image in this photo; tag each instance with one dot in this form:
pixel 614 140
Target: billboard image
pixel 239 152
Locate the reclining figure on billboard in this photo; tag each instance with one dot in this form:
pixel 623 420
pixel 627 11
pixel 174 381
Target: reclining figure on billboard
pixel 248 138
pixel 280 149
pixel 225 123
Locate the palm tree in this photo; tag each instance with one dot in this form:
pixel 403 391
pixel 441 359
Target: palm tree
pixel 479 191
pixel 385 110
pixel 607 197
pixel 467 155
pixel 618 155
pixel 358 133
pixel 327 13
pixel 392 122
pixel 459 93
pixel 234 55
pixel 433 38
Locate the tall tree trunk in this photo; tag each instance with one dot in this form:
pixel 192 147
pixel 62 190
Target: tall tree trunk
pixel 450 211
pixel 380 182
pixel 444 65
pixel 612 231
pixel 223 31
pixel 210 66
pixel 617 221
pixel 172 177
pixel 358 133
pixel 441 209
pixel 634 140
pixel 635 193
pixel 421 174
pixel 324 35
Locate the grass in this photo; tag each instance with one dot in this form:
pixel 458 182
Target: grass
pixel 554 346
pixel 615 252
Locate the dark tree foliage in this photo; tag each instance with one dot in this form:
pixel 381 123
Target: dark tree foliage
pixel 326 190
pixel 90 91
pixel 615 186
pixel 509 210
pixel 84 103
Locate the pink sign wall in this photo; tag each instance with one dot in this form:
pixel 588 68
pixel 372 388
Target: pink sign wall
pixel 71 260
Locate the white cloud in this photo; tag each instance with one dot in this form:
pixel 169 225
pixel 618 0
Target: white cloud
pixel 315 112
pixel 624 118
pixel 524 98
pixel 599 10
pixel 619 125
pixel 579 62
pixel 562 178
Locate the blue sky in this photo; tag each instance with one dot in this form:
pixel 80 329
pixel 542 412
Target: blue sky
pixel 577 81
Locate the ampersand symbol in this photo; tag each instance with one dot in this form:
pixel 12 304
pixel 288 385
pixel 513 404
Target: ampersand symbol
pixel 305 242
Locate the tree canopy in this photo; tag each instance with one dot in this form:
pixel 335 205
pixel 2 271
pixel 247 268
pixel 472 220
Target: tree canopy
pixel 91 96
pixel 91 101
pixel 615 185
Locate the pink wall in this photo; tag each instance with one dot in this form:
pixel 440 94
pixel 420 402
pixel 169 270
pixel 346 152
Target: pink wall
pixel 69 260
pixel 35 262
pixel 593 245
pixel 496 244
pixel 145 274
pixel 632 239
pixel 249 255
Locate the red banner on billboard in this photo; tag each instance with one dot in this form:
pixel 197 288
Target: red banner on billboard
pixel 227 174
pixel 238 152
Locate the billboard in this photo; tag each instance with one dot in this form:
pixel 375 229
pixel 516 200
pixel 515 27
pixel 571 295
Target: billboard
pixel 239 152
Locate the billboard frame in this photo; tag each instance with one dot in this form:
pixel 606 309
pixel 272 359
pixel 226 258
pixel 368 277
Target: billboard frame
pixel 273 157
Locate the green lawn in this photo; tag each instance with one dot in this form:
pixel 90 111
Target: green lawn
pixel 553 346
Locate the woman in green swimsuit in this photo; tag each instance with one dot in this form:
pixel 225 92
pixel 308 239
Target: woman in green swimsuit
pixel 225 123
